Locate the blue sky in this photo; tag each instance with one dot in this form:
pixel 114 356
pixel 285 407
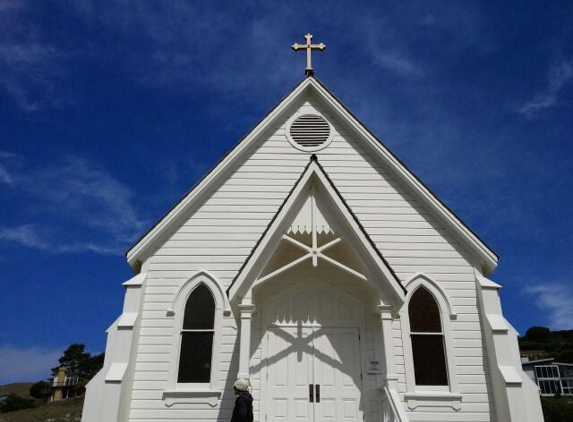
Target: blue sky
pixel 111 110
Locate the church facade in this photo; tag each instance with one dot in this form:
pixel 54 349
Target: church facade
pixel 312 262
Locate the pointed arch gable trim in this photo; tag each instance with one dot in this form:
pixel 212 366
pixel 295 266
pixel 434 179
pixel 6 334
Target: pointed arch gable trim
pixel 265 247
pixel 221 300
pixel 414 282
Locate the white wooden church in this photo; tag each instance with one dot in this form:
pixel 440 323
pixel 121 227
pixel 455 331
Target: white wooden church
pixel 312 262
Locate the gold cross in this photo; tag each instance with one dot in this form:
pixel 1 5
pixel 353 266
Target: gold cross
pixel 309 47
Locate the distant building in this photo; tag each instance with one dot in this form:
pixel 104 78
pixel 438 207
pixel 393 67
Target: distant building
pixel 64 385
pixel 553 378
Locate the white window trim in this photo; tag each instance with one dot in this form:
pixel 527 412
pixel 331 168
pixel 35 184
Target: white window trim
pixel 434 399
pixel 424 395
pixel 210 392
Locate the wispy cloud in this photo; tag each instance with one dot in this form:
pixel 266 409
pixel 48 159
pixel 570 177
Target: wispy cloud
pixel 26 364
pixel 184 41
pixel 559 76
pixel 5 176
pixel 28 235
pixel 190 46
pixel 79 188
pixel 24 235
pixel 6 160
pixel 397 63
pixel 555 299
pixel 77 207
pixel 30 72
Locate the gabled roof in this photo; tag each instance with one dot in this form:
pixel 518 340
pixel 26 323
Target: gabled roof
pixel 335 108
pixel 546 360
pixel 315 176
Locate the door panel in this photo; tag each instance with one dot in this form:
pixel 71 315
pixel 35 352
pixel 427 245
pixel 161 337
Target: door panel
pixel 324 357
pixel 337 371
pixel 289 374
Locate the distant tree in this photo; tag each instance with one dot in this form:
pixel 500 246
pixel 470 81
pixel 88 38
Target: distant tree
pixel 40 390
pixel 538 334
pixel 548 344
pixel 75 358
pixel 94 364
pixel 79 362
pixel 15 402
pixel 565 355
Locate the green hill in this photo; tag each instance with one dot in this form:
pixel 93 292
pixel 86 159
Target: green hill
pixel 20 388
pixel 62 411
pixel 541 342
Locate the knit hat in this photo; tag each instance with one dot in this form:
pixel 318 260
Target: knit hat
pixel 242 384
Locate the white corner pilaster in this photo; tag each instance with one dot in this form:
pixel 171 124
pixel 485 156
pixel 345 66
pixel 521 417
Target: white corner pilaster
pixel 246 311
pixel 516 396
pixel 109 392
pixel 386 320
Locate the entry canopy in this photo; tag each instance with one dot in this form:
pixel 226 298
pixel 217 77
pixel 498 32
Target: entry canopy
pixel 313 207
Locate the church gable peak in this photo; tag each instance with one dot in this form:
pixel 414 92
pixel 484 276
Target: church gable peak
pixel 315 226
pixel 329 111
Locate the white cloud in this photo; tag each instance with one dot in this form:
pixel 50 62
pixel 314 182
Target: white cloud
pixel 6 159
pixel 26 364
pixel 24 235
pixel 559 76
pixel 85 192
pixel 191 44
pixel 554 298
pixel 397 63
pixel 5 176
pixel 77 208
pixel 29 236
pixel 30 69
pixel 6 5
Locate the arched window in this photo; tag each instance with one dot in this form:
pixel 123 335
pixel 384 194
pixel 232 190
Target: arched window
pixel 197 337
pixel 427 339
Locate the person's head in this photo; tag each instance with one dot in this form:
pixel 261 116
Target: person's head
pixel 241 385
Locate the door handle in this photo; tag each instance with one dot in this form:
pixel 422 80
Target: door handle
pixel 311 393
pixel 318 393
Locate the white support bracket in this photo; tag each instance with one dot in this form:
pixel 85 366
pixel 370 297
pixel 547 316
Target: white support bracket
pixel 245 339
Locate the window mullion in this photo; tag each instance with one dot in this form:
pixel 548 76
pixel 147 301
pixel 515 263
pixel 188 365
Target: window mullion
pixel 427 339
pixel 197 337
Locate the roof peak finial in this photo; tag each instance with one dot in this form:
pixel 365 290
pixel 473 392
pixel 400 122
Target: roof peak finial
pixel 309 47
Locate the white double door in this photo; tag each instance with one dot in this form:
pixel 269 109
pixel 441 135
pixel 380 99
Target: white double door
pixel 313 374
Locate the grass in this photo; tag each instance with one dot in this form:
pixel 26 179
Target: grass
pixel 20 388
pixel 62 411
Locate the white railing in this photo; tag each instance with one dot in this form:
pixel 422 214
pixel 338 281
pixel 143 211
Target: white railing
pixel 67 382
pixel 392 409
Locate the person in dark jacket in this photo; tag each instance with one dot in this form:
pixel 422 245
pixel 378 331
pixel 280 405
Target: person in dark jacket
pixel 243 411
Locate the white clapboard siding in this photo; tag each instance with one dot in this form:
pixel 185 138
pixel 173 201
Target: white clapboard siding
pixel 221 231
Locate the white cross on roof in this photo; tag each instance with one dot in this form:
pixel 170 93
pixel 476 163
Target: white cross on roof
pixel 309 47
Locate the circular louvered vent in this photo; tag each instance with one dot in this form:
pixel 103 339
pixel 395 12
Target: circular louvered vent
pixel 309 132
